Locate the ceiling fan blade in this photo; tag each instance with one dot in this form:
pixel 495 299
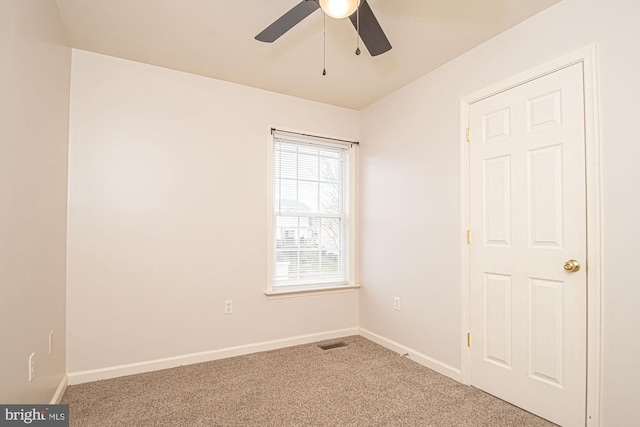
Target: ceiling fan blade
pixel 370 30
pixel 288 21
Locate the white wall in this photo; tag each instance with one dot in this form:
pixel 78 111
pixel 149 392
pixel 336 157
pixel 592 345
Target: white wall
pixel 410 189
pixel 34 117
pixel 167 215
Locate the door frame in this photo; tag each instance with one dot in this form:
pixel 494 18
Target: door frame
pixel 586 56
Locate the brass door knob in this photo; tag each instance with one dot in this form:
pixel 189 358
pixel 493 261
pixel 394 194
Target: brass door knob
pixel 572 266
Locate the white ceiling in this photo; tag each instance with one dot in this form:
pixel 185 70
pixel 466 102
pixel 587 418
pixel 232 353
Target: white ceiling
pixel 215 38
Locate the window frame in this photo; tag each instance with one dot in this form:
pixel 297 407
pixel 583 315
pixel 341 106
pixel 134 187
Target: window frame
pixel 351 214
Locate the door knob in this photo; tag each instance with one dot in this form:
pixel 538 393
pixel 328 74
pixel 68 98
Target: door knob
pixel 572 266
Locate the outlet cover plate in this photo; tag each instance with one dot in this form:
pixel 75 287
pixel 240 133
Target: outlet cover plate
pixel 32 366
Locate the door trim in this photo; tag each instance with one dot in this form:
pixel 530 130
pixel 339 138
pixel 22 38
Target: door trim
pixel 587 57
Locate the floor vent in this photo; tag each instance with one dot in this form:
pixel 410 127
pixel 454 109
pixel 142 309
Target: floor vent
pixel 334 345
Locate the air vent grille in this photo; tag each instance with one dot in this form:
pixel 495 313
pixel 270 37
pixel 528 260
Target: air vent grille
pixel 333 345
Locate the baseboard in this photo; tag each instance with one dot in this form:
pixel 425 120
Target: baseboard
pixel 81 377
pixel 442 368
pixel 62 387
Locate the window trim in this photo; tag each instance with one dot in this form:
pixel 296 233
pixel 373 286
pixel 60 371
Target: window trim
pixel 315 288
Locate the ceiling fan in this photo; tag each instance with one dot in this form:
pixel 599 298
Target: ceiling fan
pixel 358 11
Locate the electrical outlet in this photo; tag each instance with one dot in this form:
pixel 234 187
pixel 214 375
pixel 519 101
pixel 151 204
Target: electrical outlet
pixel 396 303
pixel 32 366
pixel 50 342
pixel 228 307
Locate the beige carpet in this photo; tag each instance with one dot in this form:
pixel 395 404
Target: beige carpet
pixel 361 384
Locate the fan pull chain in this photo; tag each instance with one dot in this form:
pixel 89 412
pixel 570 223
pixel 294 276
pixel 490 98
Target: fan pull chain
pixel 358 29
pixel 324 45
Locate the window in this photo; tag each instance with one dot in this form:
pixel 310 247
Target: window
pixel 311 223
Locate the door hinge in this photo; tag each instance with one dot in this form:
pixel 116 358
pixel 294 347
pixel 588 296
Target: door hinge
pixel 468 237
pixel 468 134
pixel 468 339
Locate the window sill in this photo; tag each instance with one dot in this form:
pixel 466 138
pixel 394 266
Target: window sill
pixel 308 291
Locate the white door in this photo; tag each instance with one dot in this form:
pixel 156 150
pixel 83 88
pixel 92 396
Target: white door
pixel 527 220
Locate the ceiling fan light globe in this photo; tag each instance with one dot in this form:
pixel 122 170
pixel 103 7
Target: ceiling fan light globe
pixel 339 9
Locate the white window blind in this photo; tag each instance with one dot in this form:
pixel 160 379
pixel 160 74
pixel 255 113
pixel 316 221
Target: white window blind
pixel 311 204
